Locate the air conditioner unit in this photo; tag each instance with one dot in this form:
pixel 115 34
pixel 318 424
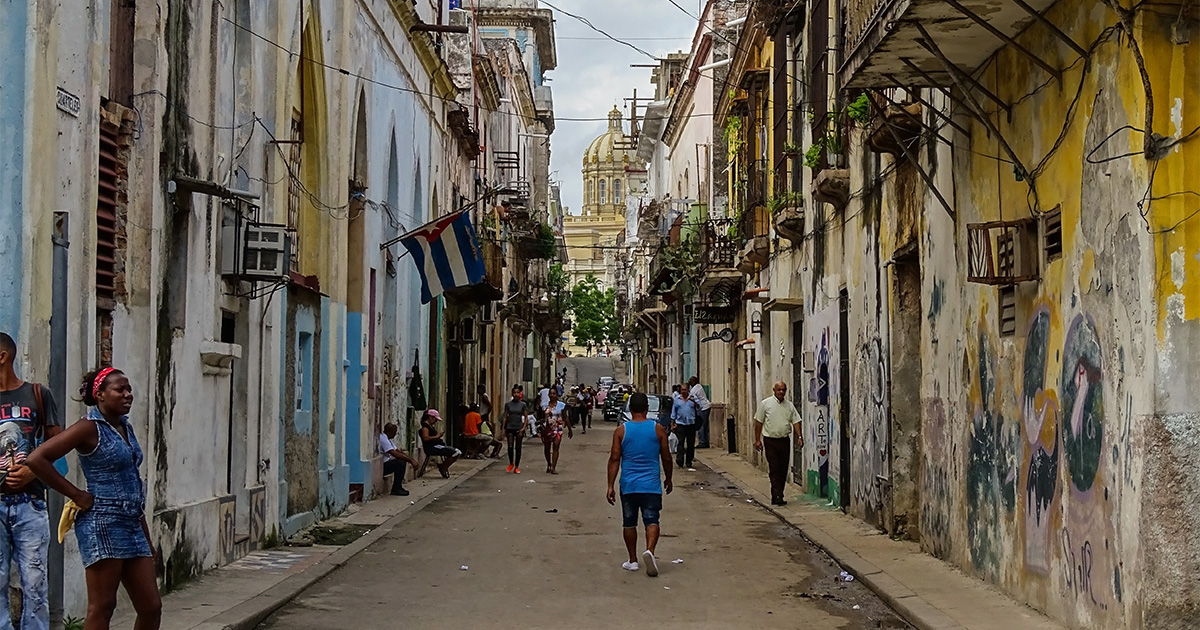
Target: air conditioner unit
pixel 452 333
pixel 268 251
pixel 255 251
pixel 468 334
pixel 487 314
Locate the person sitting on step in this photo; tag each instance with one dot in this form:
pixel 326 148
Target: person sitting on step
pixel 434 444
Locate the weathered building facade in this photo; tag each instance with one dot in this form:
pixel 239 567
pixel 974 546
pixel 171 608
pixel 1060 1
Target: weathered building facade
pixel 212 218
pixel 966 239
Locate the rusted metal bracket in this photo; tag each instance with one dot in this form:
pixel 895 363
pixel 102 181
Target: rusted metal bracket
pixel 912 159
pixel 909 116
pixel 1054 72
pixel 1053 29
pixel 958 74
pixel 915 94
pixel 971 111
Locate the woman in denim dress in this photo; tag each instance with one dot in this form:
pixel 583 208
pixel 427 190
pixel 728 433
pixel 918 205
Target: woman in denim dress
pixel 114 539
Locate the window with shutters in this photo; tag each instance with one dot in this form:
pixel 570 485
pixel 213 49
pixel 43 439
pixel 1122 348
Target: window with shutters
pixel 293 200
pixel 617 197
pixel 109 189
pixel 1052 234
pixel 603 192
pixel 112 199
pixel 1007 298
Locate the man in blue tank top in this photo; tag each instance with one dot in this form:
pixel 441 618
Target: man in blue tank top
pixel 639 448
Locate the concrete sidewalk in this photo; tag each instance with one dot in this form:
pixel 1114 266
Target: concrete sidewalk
pixel 240 595
pixel 927 592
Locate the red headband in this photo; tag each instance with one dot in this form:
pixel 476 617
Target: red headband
pixel 100 376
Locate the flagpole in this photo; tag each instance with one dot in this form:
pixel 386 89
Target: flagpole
pixel 490 193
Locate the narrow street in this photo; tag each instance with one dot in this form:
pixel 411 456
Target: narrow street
pixel 536 551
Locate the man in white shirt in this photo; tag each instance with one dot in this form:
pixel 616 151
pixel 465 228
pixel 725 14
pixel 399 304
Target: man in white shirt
pixel 394 459
pixel 705 405
pixel 773 426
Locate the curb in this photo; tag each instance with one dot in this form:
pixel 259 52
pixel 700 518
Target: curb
pixel 915 610
pixel 248 614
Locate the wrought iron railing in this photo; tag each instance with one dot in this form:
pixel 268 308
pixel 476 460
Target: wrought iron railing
pixel 718 248
pixel 860 14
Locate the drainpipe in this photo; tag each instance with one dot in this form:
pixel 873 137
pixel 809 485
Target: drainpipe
pixel 58 385
pixel 886 335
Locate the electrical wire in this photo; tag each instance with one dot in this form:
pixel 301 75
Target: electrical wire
pixel 586 22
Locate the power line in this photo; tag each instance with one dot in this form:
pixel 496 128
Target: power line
pixel 589 24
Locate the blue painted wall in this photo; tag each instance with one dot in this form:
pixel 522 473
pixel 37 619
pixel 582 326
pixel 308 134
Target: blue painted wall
pixel 13 24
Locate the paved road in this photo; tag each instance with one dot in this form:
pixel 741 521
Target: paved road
pixel 587 370
pixel 545 552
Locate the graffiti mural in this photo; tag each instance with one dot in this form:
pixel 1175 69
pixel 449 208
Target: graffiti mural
pixel 1083 401
pixel 870 444
pixel 1088 571
pixel 936 506
pixel 1040 420
pixel 991 468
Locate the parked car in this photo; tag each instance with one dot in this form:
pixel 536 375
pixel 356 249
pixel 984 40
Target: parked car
pixel 606 382
pixel 659 410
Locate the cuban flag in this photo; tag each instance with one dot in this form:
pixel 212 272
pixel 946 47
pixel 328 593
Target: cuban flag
pixel 446 253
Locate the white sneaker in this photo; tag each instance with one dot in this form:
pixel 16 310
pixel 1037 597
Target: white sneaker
pixel 630 566
pixel 651 565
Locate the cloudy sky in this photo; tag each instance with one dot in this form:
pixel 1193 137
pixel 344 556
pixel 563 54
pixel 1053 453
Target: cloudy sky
pixel 594 73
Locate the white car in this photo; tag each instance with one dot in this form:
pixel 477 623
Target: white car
pixel 659 410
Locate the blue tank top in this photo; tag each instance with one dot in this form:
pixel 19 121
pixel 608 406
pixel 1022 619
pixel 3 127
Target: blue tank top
pixel 640 459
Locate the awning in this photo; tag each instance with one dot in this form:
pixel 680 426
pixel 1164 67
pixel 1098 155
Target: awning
pixel 783 304
pixel 757 295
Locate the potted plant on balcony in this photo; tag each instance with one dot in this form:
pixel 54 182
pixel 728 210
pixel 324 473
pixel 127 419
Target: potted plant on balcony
pixel 540 244
pixel 788 210
pixel 791 150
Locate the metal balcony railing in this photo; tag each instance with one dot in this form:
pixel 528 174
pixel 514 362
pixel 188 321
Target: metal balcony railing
pixel 718 250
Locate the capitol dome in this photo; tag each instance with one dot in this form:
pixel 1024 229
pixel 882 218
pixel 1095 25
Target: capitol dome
pixel 612 145
pixel 610 169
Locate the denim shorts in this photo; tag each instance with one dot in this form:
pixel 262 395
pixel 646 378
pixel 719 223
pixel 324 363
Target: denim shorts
pixel 650 503
pixel 111 529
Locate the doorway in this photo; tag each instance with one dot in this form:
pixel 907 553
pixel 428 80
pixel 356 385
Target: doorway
pixel 904 429
pixel 798 385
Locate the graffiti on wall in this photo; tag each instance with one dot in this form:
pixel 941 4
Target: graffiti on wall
pixel 936 506
pixel 991 467
pixel 870 445
pixel 1086 538
pixel 1040 421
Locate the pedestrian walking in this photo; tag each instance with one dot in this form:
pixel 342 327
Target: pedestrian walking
pixel 683 423
pixel 110 525
pixel 551 431
pixel 704 405
pixel 515 424
pixel 639 448
pixel 773 424
pixel 28 415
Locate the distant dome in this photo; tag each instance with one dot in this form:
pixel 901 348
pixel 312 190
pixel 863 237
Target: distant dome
pixel 606 147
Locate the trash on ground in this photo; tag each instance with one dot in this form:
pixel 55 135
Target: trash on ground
pixel 667 588
pixel 677 561
pixel 554 511
pixel 845 577
pixel 747 500
pixel 857 607
pixel 462 568
pixel 532 481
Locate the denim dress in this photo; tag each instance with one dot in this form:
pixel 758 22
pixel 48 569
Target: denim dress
pixel 112 528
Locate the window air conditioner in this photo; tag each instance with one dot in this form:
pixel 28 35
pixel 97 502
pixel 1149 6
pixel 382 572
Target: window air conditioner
pixel 255 251
pixel 487 314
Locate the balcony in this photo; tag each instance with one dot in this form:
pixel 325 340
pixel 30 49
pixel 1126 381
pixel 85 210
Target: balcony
pixel 718 256
pixel 915 43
